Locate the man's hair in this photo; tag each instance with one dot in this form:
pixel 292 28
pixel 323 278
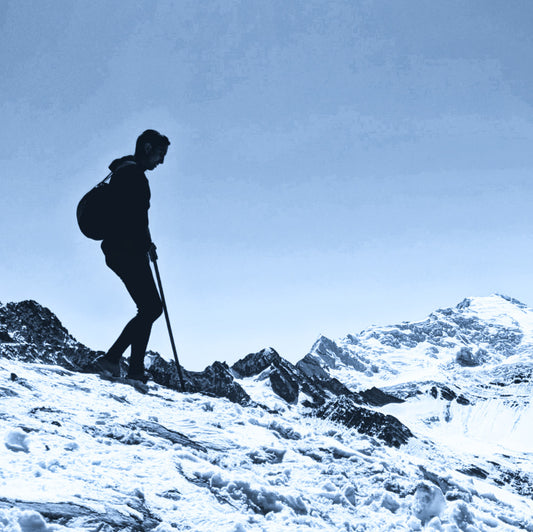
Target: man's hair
pixel 153 137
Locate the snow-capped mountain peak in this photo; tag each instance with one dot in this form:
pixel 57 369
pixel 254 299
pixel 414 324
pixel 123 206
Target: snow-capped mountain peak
pixel 479 331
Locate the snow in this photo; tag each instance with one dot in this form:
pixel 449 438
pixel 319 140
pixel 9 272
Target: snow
pixel 428 502
pixel 106 457
pixel 100 446
pixel 17 440
pixel 23 521
pixel 260 391
pixel 375 361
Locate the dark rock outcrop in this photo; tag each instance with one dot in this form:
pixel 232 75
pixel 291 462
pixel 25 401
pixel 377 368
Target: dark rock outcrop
pixel 466 357
pixel 284 384
pixel 215 380
pixel 311 367
pixel 308 376
pixel 83 517
pixel 255 363
pixel 437 390
pixel 33 323
pixel 376 397
pixel 4 335
pixel 330 353
pixel 32 333
pixel 36 335
pixel 384 427
pixel 286 379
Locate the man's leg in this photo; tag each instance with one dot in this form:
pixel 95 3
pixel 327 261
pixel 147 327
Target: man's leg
pixel 136 274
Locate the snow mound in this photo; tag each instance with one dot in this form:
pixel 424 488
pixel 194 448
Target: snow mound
pixel 17 441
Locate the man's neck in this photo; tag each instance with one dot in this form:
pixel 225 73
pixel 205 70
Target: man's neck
pixel 141 163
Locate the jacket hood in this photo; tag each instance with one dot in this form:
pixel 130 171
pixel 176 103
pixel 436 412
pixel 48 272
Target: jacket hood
pixel 117 163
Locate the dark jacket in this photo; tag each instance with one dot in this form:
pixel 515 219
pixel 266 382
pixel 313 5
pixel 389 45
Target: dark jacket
pixel 128 231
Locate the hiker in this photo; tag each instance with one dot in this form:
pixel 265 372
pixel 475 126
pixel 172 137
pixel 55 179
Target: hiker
pixel 128 248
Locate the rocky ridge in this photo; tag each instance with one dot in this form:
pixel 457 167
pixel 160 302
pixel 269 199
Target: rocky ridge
pixel 460 356
pixel 32 333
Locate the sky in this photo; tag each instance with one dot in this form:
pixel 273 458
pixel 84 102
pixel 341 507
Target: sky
pixel 333 164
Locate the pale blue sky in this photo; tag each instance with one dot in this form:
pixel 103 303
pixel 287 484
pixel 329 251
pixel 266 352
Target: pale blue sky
pixel 333 164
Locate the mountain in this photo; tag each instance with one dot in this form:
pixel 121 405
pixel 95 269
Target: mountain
pixel 477 332
pixel 465 370
pixel 416 426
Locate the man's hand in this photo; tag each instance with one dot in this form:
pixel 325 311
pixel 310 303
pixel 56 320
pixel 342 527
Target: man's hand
pixel 152 253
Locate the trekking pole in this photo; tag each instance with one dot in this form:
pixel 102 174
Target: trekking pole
pixel 180 374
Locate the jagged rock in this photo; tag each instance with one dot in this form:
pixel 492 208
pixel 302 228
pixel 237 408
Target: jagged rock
pixel 34 323
pixel 520 373
pixel 521 481
pixel 215 380
pixel 474 471
pixel 287 379
pixel 36 335
pixel 385 427
pixel 437 390
pixel 376 397
pixel 255 363
pixel 330 353
pixel 284 384
pixel 465 357
pixel 4 335
pixel 283 376
pixel 74 358
pixel 83 516
pixel 332 385
pixel 311 366
pixel 443 392
pixel 155 429
pixel 514 301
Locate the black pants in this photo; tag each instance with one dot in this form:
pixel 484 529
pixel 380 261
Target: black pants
pixel 135 272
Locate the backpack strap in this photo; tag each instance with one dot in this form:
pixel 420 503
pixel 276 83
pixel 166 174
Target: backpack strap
pixel 108 176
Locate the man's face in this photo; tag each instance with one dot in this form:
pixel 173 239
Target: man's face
pixel 155 155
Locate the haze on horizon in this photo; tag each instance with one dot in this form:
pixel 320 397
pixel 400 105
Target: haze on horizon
pixel 334 164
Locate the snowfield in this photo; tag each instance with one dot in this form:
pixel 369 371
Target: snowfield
pixel 81 453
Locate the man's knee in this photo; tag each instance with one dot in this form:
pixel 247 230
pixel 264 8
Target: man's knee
pixel 158 310
pixel 152 311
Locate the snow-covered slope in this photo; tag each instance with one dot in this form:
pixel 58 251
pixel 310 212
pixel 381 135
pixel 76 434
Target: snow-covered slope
pixel 94 455
pixel 270 446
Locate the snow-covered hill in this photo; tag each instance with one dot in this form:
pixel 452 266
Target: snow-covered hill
pixel 270 446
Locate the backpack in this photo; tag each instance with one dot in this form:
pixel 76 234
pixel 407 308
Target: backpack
pixel 94 209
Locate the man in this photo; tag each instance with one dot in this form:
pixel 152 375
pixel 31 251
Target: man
pixel 127 248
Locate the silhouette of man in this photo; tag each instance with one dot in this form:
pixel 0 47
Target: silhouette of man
pixel 128 247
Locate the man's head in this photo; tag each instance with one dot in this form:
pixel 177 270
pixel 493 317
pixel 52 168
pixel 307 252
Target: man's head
pixel 150 149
